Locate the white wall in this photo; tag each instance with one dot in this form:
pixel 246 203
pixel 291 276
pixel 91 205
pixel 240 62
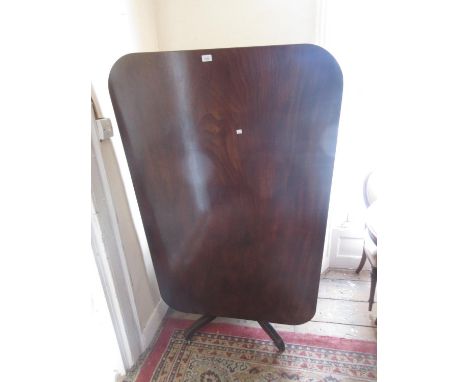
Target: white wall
pixel 121 27
pixel 118 28
pixel 352 37
pixel 200 24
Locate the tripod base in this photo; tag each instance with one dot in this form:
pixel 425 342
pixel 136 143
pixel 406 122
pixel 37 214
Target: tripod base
pixel 266 326
pixel 273 334
pixel 198 324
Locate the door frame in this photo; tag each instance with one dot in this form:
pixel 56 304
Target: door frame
pixel 110 258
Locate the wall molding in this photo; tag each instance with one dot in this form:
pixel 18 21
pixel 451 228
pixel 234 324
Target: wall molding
pixel 153 324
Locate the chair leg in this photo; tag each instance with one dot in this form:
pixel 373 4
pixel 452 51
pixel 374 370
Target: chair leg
pixel 372 288
pixel 363 261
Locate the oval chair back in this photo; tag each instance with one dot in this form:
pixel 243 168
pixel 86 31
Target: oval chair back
pixel 370 188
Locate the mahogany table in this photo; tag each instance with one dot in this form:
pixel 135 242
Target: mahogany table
pixel 231 155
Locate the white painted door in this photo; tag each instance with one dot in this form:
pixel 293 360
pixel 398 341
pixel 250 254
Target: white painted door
pixel 345 246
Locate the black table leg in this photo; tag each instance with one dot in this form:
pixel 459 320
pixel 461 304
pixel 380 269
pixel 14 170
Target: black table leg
pixel 273 335
pixel 373 284
pixel 202 321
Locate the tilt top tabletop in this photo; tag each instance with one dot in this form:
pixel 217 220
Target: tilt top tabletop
pixel 231 154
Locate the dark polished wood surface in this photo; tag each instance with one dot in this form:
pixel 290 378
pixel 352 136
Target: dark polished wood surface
pixel 235 222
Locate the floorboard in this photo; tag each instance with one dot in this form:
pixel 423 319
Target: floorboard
pixel 350 290
pixel 344 312
pixel 347 274
pixel 341 309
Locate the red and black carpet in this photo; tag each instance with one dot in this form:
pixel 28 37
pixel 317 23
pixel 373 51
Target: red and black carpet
pixel 225 352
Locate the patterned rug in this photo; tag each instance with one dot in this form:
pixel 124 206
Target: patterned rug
pixel 225 352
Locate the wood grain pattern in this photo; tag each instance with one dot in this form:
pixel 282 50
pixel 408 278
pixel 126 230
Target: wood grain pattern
pixel 235 222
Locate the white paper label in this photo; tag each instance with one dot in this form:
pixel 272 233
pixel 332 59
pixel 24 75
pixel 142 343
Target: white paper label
pixel 239 131
pixel 206 58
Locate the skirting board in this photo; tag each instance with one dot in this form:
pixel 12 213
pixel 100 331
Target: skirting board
pixel 153 324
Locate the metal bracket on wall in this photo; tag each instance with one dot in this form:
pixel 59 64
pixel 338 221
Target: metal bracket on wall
pixel 104 128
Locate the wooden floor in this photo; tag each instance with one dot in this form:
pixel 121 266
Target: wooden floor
pixel 341 308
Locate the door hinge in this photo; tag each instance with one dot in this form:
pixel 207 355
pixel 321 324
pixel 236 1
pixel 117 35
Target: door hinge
pixel 104 128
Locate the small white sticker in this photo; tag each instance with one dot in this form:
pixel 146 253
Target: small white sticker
pixel 206 58
pixel 239 131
